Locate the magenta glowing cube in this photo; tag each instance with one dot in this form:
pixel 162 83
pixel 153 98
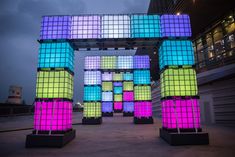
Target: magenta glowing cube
pixel 128 96
pixel 106 76
pixel 92 62
pixel 117 105
pixel 86 27
pixel 107 107
pixel 53 116
pixel 128 106
pixel 141 62
pixel 143 109
pixel 175 26
pixel 55 27
pixel 184 113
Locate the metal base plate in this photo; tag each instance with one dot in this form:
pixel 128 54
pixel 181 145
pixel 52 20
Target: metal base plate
pixel 128 114
pixel 143 120
pixel 107 114
pixel 91 121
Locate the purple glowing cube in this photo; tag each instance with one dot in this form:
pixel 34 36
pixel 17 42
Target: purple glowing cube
pixel 92 62
pixel 143 109
pixel 117 83
pixel 107 107
pixel 141 62
pixel 128 96
pixel 175 26
pixel 53 115
pixel 106 76
pixel 184 113
pixel 128 106
pixel 86 27
pixel 55 27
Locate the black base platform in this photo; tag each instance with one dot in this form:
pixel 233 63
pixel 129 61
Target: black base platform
pixel 107 114
pixel 91 121
pixel 128 114
pixel 184 138
pixel 46 140
pixel 117 111
pixel 143 120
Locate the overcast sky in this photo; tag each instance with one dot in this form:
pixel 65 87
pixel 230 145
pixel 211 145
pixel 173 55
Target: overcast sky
pixel 19 31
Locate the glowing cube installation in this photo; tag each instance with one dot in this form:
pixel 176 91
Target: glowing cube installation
pixel 54 115
pixel 141 77
pixel 107 96
pixel 92 93
pixel 125 62
pixel 175 53
pixel 128 86
pixel 56 55
pixel 117 90
pixel 178 82
pixel 55 27
pixel 141 62
pixel 128 96
pixel 107 86
pixel 86 27
pixel 117 84
pixel 175 26
pixel 145 26
pixel 107 107
pixel 143 109
pixel 106 76
pixel 128 106
pixel 92 62
pixel 128 76
pixel 54 84
pixel 117 97
pixel 117 76
pixel 142 93
pixel 92 77
pixel 92 109
pixel 108 62
pixel 117 106
pixel 182 112
pixel 115 26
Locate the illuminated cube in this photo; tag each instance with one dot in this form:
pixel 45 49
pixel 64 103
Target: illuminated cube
pixel 107 106
pixel 178 82
pixel 143 109
pixel 117 106
pixel 107 86
pixel 145 26
pixel 115 26
pixel 128 76
pixel 108 62
pixel 53 115
pixel 125 62
pixel 175 26
pixel 117 76
pixel 128 106
pixel 117 97
pixel 92 93
pixel 86 27
pixel 106 76
pixel 128 96
pixel 141 62
pixel 141 77
pixel 55 27
pixel 54 84
pixel 92 78
pixel 175 53
pixel 117 84
pixel 107 96
pixel 142 93
pixel 182 112
pixel 56 55
pixel 92 109
pixel 127 86
pixel 92 62
pixel 117 90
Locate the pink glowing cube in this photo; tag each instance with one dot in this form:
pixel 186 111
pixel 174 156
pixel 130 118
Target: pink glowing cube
pixel 128 96
pixel 182 113
pixel 118 105
pixel 143 109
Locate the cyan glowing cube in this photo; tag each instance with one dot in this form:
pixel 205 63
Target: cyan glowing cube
pixel 145 26
pixel 141 77
pixel 128 76
pixel 175 53
pixel 92 93
pixel 56 55
pixel 117 90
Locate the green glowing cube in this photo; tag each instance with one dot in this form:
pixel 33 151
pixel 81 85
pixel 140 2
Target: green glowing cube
pixel 108 62
pixel 117 76
pixel 142 92
pixel 128 86
pixel 92 109
pixel 179 82
pixel 117 97
pixel 107 86
pixel 54 84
